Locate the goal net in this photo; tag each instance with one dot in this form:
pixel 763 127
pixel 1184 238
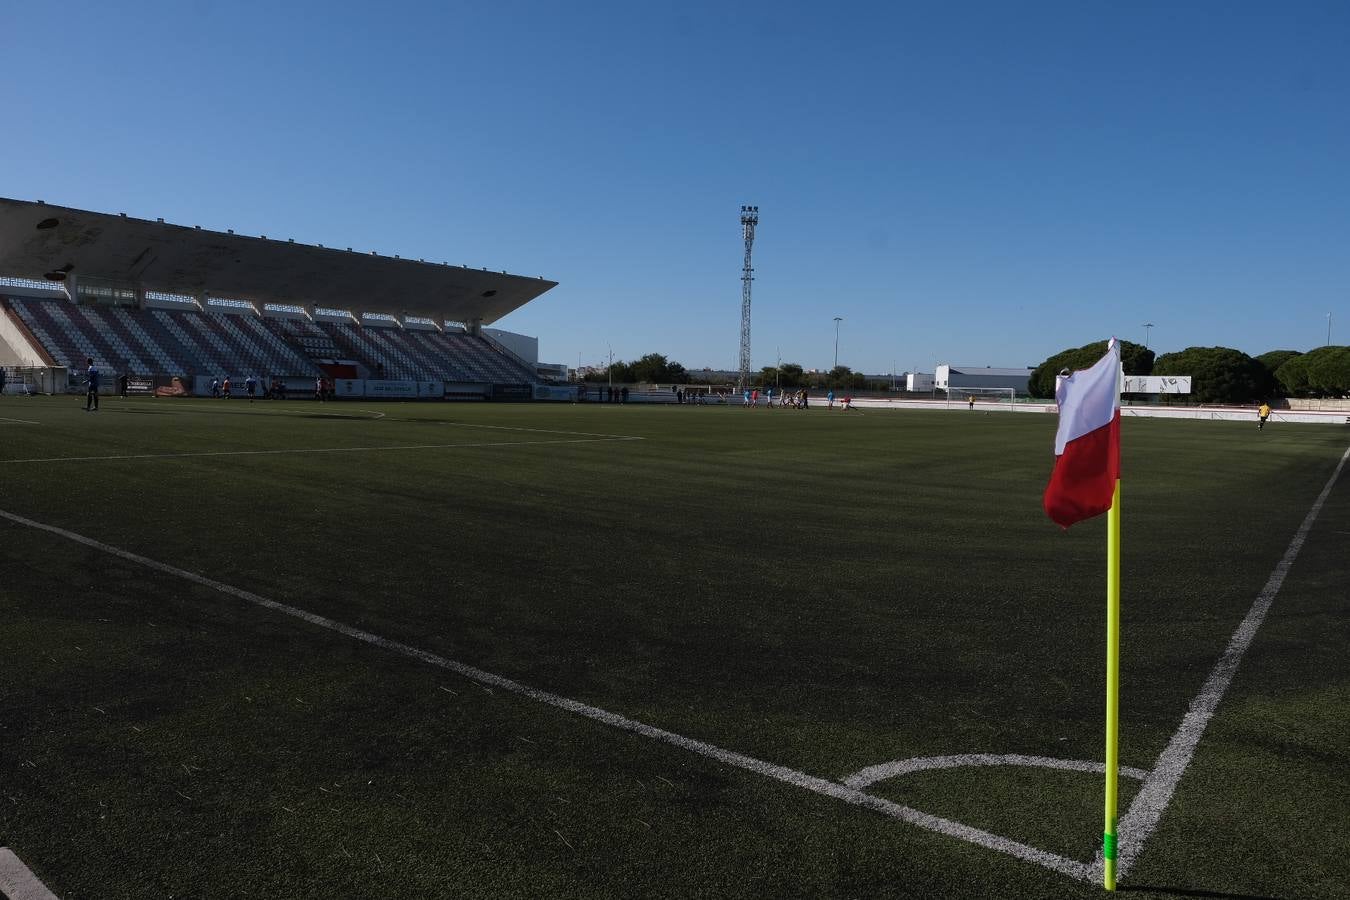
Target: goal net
pixel 989 399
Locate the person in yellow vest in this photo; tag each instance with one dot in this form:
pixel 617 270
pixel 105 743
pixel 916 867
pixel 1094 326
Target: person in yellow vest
pixel 970 399
pixel 1262 414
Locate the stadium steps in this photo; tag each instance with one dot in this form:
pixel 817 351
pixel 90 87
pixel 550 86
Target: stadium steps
pixel 131 360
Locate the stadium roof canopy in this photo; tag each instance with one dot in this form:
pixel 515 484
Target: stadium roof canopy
pixel 38 238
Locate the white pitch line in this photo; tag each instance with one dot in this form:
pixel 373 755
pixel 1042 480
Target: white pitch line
pixel 1156 793
pixel 825 787
pixel 19 421
pixel 872 774
pixel 17 882
pixel 264 408
pixel 53 459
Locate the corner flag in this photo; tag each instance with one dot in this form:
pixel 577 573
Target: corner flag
pixel 1087 444
pixel 1086 483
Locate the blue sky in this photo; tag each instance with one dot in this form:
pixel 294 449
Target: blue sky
pixel 973 183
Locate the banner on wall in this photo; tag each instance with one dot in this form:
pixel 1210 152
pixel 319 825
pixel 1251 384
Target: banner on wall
pixel 349 387
pixel 511 392
pixel 554 392
pixel 391 389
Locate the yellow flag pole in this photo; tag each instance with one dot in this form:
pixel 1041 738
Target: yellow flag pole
pixel 1112 685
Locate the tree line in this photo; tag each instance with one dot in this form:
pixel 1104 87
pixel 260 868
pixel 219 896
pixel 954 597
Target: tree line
pixel 655 368
pixel 1218 374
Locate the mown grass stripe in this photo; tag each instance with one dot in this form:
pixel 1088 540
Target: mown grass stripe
pixel 836 790
pixel 1156 793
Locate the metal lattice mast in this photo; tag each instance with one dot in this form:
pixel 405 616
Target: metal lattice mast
pixel 749 219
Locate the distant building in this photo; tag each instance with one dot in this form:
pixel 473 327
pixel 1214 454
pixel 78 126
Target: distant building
pixel 949 378
pixel 918 382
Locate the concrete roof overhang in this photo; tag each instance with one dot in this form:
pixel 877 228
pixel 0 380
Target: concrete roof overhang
pixel 38 238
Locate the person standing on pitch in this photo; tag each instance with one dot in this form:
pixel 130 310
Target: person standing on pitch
pixel 970 401
pixel 250 385
pixel 830 398
pixel 2 381
pixel 91 387
pixel 1261 415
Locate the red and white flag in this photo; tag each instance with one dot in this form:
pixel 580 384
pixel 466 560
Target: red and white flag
pixel 1087 445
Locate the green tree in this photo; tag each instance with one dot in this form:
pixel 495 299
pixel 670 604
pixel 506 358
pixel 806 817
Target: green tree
pixel 1218 374
pixel 844 377
pixel 652 368
pixel 1271 361
pixel 1135 358
pixel 1324 372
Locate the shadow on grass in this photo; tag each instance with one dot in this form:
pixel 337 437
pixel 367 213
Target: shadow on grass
pixel 1192 892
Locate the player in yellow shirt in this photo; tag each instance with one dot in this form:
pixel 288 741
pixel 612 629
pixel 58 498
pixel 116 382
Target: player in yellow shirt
pixel 1262 414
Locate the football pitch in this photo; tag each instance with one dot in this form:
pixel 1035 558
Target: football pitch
pixel 290 649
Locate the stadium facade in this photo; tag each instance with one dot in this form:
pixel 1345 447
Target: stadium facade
pixel 156 301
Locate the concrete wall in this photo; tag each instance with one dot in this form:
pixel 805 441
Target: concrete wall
pixel 15 349
pixel 524 346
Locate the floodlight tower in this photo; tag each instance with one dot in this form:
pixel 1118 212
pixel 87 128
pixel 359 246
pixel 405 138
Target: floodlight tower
pixel 749 219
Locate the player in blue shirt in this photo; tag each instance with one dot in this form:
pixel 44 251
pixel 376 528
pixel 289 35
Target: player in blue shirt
pixel 91 392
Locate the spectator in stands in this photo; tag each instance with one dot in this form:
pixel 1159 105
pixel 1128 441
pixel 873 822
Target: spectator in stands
pixel 91 387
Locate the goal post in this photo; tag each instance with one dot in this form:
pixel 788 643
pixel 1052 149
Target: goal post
pixel 989 399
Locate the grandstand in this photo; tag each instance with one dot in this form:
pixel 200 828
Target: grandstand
pixel 154 299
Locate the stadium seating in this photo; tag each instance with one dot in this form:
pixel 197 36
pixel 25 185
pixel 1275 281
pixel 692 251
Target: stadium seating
pixel 398 353
pixel 137 341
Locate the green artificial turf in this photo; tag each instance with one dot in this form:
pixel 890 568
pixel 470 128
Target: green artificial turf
pixel 821 590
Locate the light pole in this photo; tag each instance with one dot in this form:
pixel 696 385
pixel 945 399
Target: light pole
pixel 837 320
pixel 1147 326
pixel 1328 329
